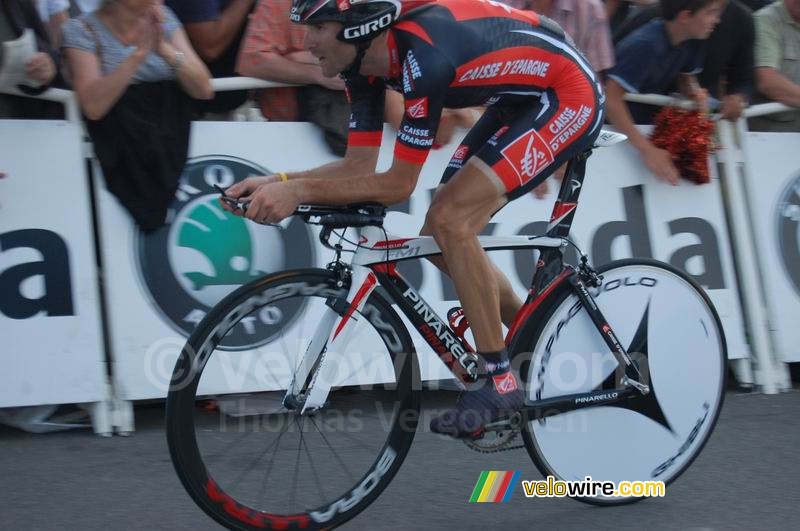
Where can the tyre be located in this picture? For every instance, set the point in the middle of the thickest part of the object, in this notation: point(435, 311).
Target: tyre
point(252, 460)
point(668, 325)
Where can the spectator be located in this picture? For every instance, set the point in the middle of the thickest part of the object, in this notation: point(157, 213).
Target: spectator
point(216, 29)
point(584, 20)
point(15, 17)
point(777, 60)
point(272, 49)
point(621, 13)
point(53, 14)
point(649, 60)
point(728, 68)
point(133, 70)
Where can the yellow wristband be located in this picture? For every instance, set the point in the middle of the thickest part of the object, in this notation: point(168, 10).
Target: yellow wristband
point(282, 176)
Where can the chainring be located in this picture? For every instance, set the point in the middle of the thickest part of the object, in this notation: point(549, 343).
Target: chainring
point(495, 441)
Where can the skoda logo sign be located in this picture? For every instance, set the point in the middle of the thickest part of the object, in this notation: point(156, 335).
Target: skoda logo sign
point(789, 230)
point(205, 253)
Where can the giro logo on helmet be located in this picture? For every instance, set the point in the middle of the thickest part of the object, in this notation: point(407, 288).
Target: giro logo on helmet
point(370, 27)
point(362, 19)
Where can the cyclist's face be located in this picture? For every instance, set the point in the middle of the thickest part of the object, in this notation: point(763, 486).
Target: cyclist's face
point(334, 55)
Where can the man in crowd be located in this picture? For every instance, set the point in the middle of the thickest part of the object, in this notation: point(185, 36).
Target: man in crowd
point(777, 61)
point(728, 68)
point(650, 60)
point(215, 29)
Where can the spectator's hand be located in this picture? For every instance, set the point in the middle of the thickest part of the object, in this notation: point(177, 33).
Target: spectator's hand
point(700, 97)
point(732, 106)
point(465, 118)
point(40, 68)
point(148, 37)
point(243, 191)
point(447, 126)
point(303, 56)
point(331, 83)
point(659, 162)
point(541, 191)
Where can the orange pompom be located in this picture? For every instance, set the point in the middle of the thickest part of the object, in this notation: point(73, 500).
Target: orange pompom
point(687, 137)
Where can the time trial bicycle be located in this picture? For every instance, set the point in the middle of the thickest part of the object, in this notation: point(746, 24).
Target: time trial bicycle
point(624, 368)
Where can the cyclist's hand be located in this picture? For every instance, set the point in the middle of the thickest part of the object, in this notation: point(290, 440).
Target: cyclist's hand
point(242, 191)
point(659, 162)
point(272, 202)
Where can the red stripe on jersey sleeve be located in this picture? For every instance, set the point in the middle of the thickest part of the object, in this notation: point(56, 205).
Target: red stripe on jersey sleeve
point(415, 29)
point(409, 154)
point(473, 10)
point(368, 138)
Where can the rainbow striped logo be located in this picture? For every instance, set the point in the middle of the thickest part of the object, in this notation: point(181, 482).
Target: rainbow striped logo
point(495, 486)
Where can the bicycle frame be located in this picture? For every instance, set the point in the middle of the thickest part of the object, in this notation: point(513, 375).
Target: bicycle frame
point(374, 263)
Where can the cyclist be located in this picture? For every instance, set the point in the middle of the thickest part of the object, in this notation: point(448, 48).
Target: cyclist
point(543, 106)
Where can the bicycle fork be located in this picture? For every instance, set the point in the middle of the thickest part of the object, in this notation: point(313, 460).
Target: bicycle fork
point(316, 372)
point(632, 377)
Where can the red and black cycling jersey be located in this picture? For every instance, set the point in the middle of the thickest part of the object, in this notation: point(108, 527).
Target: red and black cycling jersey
point(462, 53)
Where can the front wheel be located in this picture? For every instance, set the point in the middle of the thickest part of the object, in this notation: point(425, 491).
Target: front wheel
point(669, 326)
point(243, 447)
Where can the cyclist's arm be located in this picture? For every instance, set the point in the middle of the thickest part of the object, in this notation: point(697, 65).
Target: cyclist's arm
point(359, 160)
point(388, 188)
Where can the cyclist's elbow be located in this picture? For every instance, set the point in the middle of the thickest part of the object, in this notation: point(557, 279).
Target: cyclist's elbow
point(400, 189)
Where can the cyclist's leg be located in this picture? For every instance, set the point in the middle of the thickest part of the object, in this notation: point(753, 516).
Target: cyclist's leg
point(480, 133)
point(518, 159)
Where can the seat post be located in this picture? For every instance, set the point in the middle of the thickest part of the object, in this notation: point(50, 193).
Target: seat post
point(567, 202)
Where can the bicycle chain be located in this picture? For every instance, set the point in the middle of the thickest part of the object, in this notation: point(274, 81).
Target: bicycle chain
point(493, 448)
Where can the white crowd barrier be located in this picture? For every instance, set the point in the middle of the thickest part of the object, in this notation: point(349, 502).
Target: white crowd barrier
point(158, 287)
point(51, 346)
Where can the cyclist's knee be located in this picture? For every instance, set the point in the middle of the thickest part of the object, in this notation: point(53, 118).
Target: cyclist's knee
point(445, 222)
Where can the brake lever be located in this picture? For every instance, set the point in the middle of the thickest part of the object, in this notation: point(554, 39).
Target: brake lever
point(230, 201)
point(242, 205)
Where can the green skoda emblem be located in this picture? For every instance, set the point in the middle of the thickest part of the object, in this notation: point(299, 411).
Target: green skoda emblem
point(205, 253)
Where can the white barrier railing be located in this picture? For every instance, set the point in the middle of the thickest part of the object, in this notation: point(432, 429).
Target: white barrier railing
point(63, 96)
point(223, 84)
point(766, 108)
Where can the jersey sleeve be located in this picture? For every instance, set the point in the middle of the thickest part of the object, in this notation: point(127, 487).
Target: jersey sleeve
point(426, 76)
point(366, 96)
